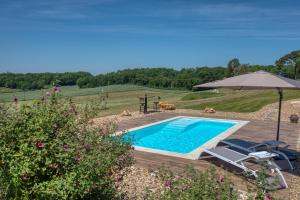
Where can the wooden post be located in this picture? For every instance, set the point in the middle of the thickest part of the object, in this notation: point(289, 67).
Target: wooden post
point(279, 112)
point(146, 104)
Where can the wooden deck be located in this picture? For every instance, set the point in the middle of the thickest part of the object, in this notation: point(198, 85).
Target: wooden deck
point(256, 131)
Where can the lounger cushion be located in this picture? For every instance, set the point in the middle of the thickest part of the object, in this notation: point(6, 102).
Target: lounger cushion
point(227, 153)
point(248, 144)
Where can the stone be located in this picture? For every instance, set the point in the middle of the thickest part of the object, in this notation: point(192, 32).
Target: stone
point(126, 113)
point(167, 106)
point(209, 110)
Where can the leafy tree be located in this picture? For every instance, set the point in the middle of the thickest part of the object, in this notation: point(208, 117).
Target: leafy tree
point(232, 66)
point(32, 81)
point(290, 60)
point(83, 82)
point(167, 78)
point(241, 69)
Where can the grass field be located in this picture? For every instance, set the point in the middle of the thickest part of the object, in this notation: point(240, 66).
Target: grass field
point(7, 90)
point(121, 97)
point(249, 102)
point(201, 95)
point(7, 95)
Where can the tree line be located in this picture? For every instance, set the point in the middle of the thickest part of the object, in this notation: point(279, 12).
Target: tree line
point(156, 77)
point(288, 66)
point(33, 81)
point(169, 78)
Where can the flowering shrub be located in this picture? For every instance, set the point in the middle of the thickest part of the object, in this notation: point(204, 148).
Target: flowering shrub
point(50, 150)
point(260, 189)
point(209, 184)
point(198, 185)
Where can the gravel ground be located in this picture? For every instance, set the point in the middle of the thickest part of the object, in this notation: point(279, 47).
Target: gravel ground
point(138, 182)
point(117, 118)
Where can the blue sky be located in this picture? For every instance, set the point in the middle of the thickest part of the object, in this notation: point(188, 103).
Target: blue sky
point(105, 35)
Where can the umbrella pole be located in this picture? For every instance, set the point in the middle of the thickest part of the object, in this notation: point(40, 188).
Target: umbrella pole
point(279, 112)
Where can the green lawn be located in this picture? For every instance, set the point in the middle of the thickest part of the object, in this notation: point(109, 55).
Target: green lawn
point(121, 97)
point(7, 90)
point(68, 91)
point(248, 103)
point(129, 100)
point(201, 95)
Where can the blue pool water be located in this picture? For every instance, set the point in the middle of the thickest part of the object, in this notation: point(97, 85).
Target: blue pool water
point(181, 135)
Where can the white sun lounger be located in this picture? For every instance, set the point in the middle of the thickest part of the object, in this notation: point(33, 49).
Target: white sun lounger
point(238, 159)
point(270, 146)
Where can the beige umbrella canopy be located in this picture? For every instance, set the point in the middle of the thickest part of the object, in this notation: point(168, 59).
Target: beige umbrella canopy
point(256, 80)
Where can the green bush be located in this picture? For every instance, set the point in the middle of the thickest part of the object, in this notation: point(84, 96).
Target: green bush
point(261, 188)
point(209, 185)
point(196, 185)
point(51, 150)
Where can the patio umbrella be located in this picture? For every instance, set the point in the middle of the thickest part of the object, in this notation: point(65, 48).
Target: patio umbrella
point(257, 80)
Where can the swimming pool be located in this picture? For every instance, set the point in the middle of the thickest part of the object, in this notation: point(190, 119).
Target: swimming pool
point(181, 136)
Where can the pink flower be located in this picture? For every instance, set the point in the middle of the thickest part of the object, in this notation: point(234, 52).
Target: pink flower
point(39, 145)
point(268, 196)
point(56, 90)
point(48, 94)
point(78, 158)
point(66, 147)
point(118, 178)
point(168, 184)
point(221, 179)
